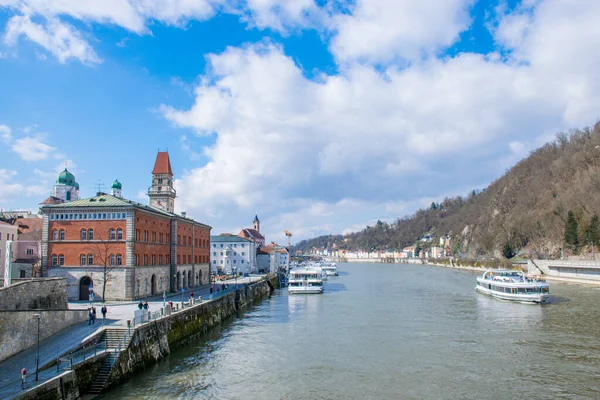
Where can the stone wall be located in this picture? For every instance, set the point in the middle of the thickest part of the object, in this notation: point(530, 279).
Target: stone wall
point(62, 387)
point(18, 329)
point(36, 294)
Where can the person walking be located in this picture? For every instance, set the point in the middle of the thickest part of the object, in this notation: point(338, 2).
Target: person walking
point(103, 310)
point(93, 315)
point(140, 305)
point(23, 378)
point(90, 316)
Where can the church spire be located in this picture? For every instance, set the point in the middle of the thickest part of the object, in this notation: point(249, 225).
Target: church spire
point(162, 193)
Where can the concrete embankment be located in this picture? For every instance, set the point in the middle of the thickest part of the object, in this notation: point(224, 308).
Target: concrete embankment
point(153, 341)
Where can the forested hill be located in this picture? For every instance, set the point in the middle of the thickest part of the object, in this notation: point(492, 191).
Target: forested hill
point(544, 203)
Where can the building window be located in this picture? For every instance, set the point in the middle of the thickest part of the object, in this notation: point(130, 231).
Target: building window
point(111, 234)
point(221, 245)
point(153, 237)
point(190, 240)
point(221, 261)
point(29, 252)
point(54, 260)
point(90, 235)
point(242, 261)
point(214, 253)
point(112, 259)
point(137, 234)
point(153, 259)
point(145, 259)
point(83, 234)
point(145, 236)
point(243, 253)
point(137, 259)
point(119, 259)
point(235, 245)
point(235, 261)
point(61, 234)
point(160, 259)
point(214, 261)
point(214, 245)
point(221, 253)
point(54, 234)
point(242, 244)
point(119, 234)
point(61, 259)
point(168, 258)
point(90, 259)
point(160, 238)
point(82, 259)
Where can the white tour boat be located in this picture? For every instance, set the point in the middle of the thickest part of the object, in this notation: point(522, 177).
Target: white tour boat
point(513, 285)
point(306, 280)
point(330, 269)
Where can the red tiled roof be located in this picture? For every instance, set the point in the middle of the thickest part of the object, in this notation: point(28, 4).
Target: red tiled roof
point(251, 233)
point(162, 164)
point(52, 200)
point(29, 224)
point(5, 223)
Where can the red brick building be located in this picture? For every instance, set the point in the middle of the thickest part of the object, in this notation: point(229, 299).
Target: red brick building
point(148, 249)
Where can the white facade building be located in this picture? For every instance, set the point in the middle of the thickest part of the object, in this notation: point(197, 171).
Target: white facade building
point(272, 258)
point(8, 232)
point(229, 253)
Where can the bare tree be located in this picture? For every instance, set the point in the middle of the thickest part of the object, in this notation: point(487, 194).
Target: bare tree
point(103, 252)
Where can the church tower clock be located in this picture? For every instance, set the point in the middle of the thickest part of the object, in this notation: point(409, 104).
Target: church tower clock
point(162, 193)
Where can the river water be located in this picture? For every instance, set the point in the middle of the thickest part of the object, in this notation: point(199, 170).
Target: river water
point(384, 331)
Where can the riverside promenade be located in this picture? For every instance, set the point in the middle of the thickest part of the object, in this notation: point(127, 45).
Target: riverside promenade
point(70, 339)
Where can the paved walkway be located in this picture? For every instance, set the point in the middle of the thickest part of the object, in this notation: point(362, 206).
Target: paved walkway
point(69, 339)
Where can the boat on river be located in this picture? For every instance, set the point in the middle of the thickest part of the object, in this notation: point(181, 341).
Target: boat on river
point(513, 285)
point(329, 269)
point(306, 280)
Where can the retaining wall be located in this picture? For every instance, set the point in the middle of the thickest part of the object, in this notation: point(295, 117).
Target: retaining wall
point(35, 294)
point(18, 329)
point(585, 270)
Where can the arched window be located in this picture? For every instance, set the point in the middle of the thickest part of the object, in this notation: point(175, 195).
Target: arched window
point(61, 234)
point(119, 259)
point(82, 258)
point(119, 234)
point(54, 260)
point(90, 234)
point(90, 259)
point(111, 234)
point(68, 196)
point(61, 259)
point(112, 259)
point(55, 234)
point(83, 235)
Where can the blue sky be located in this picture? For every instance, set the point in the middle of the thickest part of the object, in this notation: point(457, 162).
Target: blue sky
point(321, 117)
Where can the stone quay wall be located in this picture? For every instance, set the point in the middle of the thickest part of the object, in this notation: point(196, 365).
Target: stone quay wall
point(35, 294)
point(153, 341)
point(18, 328)
point(582, 270)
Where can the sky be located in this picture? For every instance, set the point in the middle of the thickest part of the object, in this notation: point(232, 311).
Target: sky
point(319, 116)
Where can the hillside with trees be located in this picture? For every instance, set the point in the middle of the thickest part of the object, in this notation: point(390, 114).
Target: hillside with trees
point(545, 204)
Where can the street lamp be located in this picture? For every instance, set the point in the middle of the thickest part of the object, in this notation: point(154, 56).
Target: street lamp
point(37, 353)
point(235, 274)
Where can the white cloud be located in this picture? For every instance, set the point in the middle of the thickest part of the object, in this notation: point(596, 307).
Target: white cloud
point(300, 148)
point(58, 38)
point(382, 30)
point(31, 148)
point(5, 133)
point(12, 190)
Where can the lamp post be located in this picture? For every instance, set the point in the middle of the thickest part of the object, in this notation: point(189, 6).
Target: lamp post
point(37, 352)
point(235, 275)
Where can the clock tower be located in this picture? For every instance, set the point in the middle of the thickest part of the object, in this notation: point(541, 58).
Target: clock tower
point(161, 193)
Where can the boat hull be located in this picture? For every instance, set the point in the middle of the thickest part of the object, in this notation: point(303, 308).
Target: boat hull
point(305, 290)
point(522, 298)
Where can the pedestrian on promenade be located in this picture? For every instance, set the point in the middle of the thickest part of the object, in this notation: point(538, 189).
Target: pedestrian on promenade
point(93, 315)
point(140, 305)
point(103, 310)
point(191, 295)
point(212, 289)
point(23, 378)
point(146, 306)
point(90, 316)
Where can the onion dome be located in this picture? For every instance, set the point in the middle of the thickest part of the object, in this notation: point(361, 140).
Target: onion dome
point(116, 185)
point(66, 178)
point(76, 185)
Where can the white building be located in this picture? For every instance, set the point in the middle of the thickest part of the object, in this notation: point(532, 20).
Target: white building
point(8, 232)
point(272, 258)
point(229, 253)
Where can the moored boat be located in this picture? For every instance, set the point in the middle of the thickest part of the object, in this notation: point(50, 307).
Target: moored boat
point(330, 269)
point(513, 285)
point(307, 280)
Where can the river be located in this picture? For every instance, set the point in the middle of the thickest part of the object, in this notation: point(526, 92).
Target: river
point(391, 331)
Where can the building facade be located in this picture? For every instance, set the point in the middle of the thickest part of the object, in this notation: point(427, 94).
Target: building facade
point(8, 233)
point(253, 233)
point(231, 253)
point(272, 258)
point(134, 249)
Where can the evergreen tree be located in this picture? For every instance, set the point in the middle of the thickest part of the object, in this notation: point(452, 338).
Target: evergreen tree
point(591, 233)
point(571, 238)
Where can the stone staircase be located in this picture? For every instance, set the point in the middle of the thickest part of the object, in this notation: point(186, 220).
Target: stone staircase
point(116, 340)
